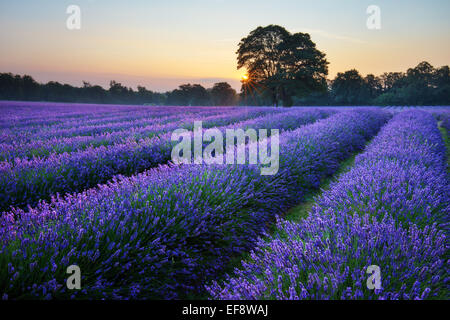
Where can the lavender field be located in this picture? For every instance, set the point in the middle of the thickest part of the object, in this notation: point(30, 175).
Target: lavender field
point(94, 186)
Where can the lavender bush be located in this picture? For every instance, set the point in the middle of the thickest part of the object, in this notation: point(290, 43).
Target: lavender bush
point(391, 210)
point(166, 232)
point(72, 136)
point(24, 182)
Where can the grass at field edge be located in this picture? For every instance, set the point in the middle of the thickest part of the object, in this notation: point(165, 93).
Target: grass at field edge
point(444, 134)
point(302, 210)
point(298, 212)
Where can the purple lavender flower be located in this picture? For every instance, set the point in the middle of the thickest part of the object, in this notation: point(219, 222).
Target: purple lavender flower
point(390, 209)
point(174, 228)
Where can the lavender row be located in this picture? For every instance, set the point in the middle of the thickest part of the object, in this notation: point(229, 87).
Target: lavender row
point(30, 145)
point(21, 129)
point(24, 135)
point(24, 182)
point(166, 232)
point(47, 143)
point(26, 113)
point(211, 116)
point(58, 121)
point(33, 110)
point(446, 123)
point(31, 114)
point(390, 210)
point(49, 118)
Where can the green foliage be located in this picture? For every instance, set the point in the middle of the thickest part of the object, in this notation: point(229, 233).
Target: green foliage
point(25, 88)
point(222, 94)
point(422, 85)
point(283, 68)
point(189, 95)
point(281, 65)
point(350, 88)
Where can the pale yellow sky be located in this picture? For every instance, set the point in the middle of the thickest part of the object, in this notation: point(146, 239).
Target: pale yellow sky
point(161, 45)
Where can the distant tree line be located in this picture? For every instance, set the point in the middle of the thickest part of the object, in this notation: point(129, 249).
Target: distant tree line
point(16, 87)
point(288, 69)
point(422, 85)
point(282, 69)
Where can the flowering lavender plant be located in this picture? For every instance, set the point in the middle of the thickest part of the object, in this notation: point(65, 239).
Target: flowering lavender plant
point(25, 181)
point(166, 232)
point(390, 209)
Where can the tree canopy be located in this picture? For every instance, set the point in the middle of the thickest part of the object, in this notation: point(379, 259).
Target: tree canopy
point(16, 87)
point(222, 94)
point(281, 64)
point(281, 67)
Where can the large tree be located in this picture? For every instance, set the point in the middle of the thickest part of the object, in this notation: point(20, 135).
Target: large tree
point(222, 94)
point(189, 95)
point(282, 63)
point(421, 85)
point(348, 88)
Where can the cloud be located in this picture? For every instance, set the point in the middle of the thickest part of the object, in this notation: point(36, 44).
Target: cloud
point(318, 32)
point(227, 40)
point(329, 35)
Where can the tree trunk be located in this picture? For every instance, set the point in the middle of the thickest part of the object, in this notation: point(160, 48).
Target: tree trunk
point(274, 98)
point(286, 98)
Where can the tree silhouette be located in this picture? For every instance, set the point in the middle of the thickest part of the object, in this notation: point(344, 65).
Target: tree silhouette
point(189, 95)
point(348, 88)
point(421, 85)
point(282, 63)
point(222, 94)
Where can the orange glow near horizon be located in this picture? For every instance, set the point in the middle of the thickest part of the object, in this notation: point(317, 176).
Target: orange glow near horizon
point(161, 45)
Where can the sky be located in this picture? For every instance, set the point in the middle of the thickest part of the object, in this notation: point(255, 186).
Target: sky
point(162, 44)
